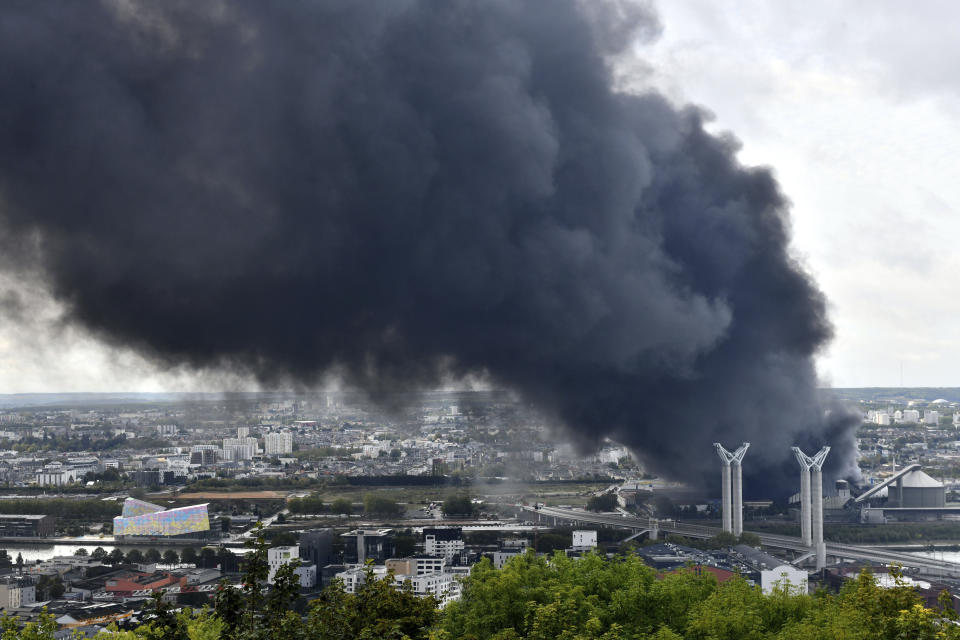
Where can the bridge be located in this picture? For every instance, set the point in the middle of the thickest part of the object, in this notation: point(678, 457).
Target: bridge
point(920, 564)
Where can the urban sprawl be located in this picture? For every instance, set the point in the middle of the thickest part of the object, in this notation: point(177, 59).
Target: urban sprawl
point(107, 502)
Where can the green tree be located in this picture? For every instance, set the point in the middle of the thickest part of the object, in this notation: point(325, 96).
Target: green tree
point(115, 557)
point(134, 556)
point(458, 505)
point(605, 502)
point(377, 609)
point(341, 506)
point(207, 559)
point(381, 506)
point(42, 629)
point(80, 552)
point(170, 557)
point(152, 556)
point(722, 540)
point(99, 554)
point(189, 556)
point(750, 539)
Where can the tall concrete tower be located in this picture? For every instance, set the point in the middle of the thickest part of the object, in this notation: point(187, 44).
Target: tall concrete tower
point(732, 487)
point(726, 508)
point(736, 468)
point(805, 516)
point(811, 501)
point(816, 497)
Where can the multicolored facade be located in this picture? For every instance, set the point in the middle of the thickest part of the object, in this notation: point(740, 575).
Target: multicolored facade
point(145, 519)
point(133, 507)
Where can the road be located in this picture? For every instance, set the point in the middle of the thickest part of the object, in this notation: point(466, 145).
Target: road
point(852, 552)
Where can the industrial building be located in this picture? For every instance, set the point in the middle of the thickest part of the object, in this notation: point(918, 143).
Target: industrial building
point(28, 525)
point(908, 495)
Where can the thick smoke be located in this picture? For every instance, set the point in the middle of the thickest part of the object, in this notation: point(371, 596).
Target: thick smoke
point(399, 190)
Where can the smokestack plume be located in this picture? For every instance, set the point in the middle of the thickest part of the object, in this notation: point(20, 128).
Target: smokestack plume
point(400, 191)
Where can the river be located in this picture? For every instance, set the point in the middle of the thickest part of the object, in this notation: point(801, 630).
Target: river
point(40, 551)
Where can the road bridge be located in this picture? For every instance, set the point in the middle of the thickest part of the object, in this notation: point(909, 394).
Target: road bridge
point(922, 564)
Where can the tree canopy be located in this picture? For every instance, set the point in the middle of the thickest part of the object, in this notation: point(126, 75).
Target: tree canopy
point(605, 502)
point(539, 598)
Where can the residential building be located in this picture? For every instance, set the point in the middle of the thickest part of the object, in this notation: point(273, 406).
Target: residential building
point(17, 591)
point(279, 556)
point(445, 542)
point(361, 545)
point(415, 565)
point(278, 443)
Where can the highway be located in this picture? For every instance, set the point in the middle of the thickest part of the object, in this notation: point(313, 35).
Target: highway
point(926, 566)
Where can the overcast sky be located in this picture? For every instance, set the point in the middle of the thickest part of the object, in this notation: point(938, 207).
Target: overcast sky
point(855, 108)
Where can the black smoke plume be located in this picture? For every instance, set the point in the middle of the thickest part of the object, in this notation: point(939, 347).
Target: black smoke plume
point(400, 190)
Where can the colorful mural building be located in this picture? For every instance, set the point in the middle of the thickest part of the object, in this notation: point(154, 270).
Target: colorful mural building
point(147, 520)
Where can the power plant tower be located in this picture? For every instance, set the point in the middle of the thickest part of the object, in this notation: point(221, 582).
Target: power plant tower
point(732, 487)
point(811, 501)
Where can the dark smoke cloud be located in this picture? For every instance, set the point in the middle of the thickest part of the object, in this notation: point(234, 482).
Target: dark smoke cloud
point(401, 190)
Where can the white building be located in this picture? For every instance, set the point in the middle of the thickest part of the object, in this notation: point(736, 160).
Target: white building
point(16, 592)
point(911, 415)
point(278, 443)
point(584, 540)
point(57, 474)
point(882, 418)
point(931, 417)
point(279, 556)
point(445, 543)
point(243, 432)
point(415, 566)
point(236, 449)
point(445, 586)
point(788, 576)
point(166, 430)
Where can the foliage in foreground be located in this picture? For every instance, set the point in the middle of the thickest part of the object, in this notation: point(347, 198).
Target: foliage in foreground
point(589, 598)
point(537, 598)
